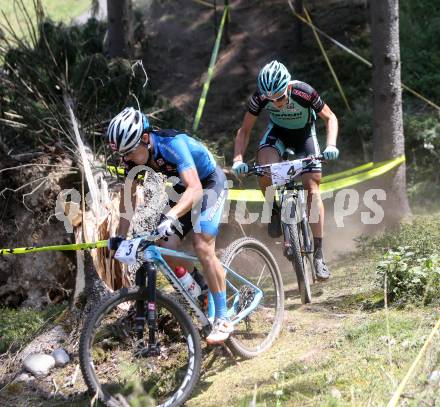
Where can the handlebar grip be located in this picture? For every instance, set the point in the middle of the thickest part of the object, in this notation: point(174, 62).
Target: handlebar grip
point(114, 242)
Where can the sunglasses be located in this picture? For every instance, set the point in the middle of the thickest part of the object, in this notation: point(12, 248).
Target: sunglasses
point(278, 99)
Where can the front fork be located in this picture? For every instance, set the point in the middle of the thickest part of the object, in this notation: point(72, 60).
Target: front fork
point(297, 207)
point(147, 272)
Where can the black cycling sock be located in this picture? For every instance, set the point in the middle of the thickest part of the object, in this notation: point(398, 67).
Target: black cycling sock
point(317, 243)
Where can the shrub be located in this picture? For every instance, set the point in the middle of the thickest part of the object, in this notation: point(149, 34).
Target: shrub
point(411, 263)
point(410, 278)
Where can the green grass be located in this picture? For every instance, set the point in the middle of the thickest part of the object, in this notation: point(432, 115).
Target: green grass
point(18, 326)
point(57, 10)
point(356, 370)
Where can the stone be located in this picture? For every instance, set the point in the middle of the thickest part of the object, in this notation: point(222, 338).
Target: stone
point(434, 377)
point(336, 394)
point(39, 364)
point(24, 377)
point(61, 357)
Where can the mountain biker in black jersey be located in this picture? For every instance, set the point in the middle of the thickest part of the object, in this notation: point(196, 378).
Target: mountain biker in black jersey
point(293, 106)
point(203, 188)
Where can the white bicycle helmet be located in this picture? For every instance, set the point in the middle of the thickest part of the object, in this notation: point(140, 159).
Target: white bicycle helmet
point(273, 79)
point(125, 130)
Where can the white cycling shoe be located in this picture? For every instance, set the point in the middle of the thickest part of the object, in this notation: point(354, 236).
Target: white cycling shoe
point(221, 330)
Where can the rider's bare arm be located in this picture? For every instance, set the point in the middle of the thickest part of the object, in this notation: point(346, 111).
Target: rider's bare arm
point(243, 135)
point(331, 124)
point(193, 192)
point(126, 213)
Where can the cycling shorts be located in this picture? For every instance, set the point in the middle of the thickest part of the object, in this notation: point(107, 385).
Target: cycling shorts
point(303, 142)
point(206, 215)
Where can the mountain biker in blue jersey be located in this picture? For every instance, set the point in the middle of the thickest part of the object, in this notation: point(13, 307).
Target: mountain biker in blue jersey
point(203, 188)
point(293, 107)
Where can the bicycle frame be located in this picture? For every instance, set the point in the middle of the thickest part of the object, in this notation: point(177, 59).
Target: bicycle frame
point(291, 194)
point(146, 276)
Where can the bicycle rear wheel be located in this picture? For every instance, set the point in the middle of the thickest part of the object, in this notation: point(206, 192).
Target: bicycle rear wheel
point(253, 261)
point(298, 261)
point(110, 356)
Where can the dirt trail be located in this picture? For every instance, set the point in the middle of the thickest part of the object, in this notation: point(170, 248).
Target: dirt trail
point(308, 335)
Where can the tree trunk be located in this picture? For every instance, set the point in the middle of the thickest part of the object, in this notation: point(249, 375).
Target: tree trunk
point(389, 140)
point(120, 30)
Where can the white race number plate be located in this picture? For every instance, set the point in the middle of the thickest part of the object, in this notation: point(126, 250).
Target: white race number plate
point(126, 252)
point(280, 171)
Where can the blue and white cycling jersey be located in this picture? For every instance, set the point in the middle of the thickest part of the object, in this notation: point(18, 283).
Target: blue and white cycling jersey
point(175, 152)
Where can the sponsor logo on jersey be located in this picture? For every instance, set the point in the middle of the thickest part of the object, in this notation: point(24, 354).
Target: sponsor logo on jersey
point(304, 95)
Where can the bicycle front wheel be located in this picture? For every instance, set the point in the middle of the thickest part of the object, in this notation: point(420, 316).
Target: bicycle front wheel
point(116, 368)
point(253, 261)
point(302, 273)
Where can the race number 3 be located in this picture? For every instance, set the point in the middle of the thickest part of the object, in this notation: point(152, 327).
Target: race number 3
point(126, 252)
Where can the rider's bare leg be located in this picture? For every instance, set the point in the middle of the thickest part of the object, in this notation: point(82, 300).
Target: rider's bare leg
point(315, 207)
point(267, 155)
point(204, 246)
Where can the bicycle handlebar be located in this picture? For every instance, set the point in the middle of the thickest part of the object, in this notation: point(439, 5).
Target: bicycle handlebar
point(260, 169)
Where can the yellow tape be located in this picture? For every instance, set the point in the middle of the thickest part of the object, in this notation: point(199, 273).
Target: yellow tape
point(329, 183)
point(395, 399)
point(212, 62)
point(327, 60)
point(79, 246)
point(357, 56)
point(346, 173)
point(363, 176)
point(204, 3)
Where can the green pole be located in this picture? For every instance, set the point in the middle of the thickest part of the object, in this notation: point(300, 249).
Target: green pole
point(214, 54)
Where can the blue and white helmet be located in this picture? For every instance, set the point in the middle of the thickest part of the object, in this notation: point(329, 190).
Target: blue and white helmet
point(273, 79)
point(125, 130)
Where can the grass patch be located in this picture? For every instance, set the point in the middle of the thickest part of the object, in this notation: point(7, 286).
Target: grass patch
point(356, 370)
point(60, 11)
point(18, 326)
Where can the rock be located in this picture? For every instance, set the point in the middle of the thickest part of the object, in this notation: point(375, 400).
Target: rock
point(61, 357)
point(45, 342)
point(336, 393)
point(39, 364)
point(24, 377)
point(434, 377)
point(406, 344)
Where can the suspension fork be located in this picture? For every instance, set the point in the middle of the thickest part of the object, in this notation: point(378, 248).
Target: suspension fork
point(147, 272)
point(290, 198)
point(304, 222)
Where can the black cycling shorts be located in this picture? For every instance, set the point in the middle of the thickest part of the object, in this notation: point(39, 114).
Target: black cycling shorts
point(303, 142)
